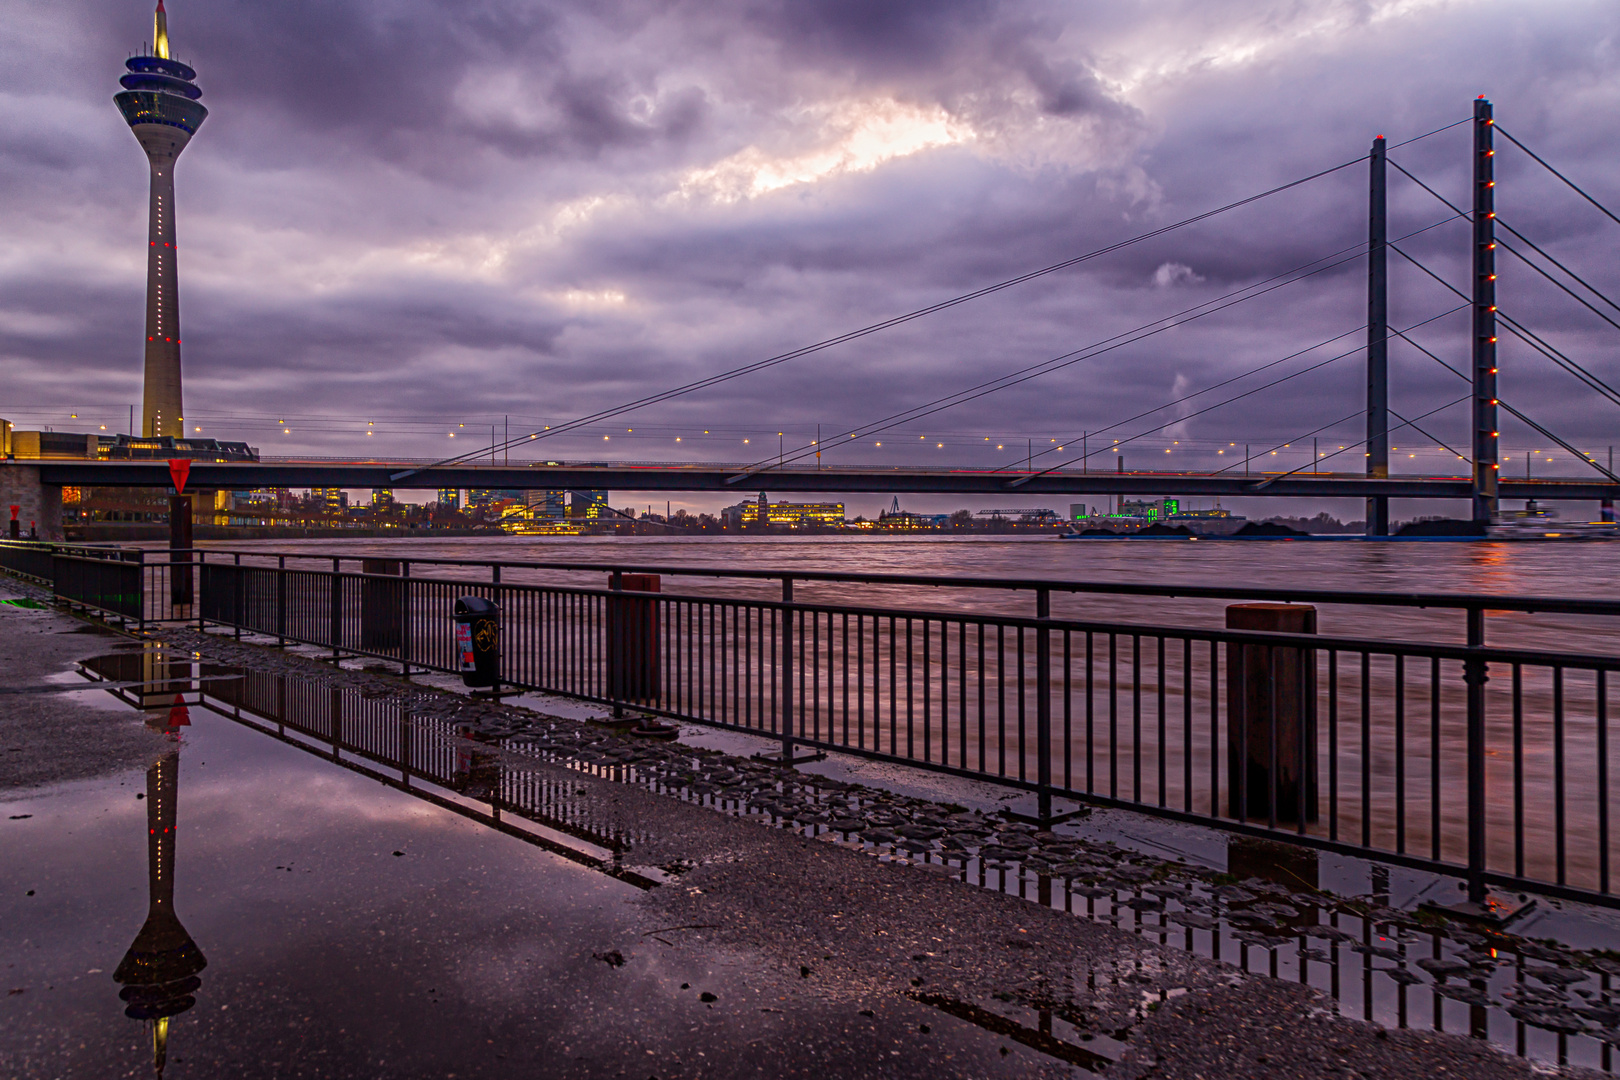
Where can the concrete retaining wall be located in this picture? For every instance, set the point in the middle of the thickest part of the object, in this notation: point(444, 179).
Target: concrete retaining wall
point(41, 504)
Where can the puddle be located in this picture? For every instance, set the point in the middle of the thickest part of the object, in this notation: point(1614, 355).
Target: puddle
point(1271, 911)
point(306, 880)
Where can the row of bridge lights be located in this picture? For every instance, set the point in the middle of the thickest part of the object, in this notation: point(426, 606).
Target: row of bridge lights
point(371, 431)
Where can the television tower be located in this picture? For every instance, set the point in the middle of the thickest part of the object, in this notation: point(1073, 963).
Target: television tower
point(159, 101)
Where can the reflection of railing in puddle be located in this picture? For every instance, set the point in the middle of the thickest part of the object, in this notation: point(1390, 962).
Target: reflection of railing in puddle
point(1362, 953)
point(431, 759)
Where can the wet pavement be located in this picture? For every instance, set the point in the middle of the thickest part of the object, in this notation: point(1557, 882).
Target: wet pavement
point(321, 872)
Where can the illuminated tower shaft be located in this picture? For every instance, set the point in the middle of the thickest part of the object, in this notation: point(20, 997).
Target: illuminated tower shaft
point(160, 104)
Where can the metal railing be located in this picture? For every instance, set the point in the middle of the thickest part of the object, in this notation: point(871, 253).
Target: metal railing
point(1458, 757)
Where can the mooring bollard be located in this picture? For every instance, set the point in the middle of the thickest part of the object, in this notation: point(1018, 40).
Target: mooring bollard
point(1271, 716)
point(380, 605)
point(633, 639)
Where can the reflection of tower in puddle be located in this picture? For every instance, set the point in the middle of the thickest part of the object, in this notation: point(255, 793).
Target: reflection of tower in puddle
point(159, 972)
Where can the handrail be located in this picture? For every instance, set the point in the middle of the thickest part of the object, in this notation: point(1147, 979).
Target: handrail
point(1288, 594)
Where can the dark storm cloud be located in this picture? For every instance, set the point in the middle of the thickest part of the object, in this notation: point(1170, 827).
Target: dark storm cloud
point(474, 209)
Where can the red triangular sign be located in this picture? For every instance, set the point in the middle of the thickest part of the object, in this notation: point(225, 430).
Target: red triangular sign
point(179, 468)
point(179, 715)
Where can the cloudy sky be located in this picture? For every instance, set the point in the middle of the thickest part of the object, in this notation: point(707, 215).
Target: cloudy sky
point(415, 216)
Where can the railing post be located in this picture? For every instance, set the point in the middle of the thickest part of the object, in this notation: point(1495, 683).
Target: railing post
point(615, 645)
point(336, 631)
point(1043, 707)
point(785, 720)
point(1475, 674)
point(239, 604)
point(202, 560)
point(281, 601)
point(405, 618)
point(140, 558)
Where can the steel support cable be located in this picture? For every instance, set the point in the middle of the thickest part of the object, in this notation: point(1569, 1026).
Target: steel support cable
point(1251, 371)
point(1595, 291)
point(1362, 442)
point(1573, 186)
point(1529, 337)
point(886, 324)
point(1266, 386)
point(1427, 435)
point(1091, 351)
point(1579, 300)
point(1021, 481)
point(1578, 453)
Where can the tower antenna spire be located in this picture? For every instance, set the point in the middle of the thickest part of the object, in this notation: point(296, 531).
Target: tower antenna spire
point(160, 32)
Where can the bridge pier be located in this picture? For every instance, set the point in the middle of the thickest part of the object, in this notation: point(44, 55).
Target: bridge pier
point(40, 504)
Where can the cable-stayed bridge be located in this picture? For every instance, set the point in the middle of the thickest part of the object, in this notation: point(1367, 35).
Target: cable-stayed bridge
point(1358, 468)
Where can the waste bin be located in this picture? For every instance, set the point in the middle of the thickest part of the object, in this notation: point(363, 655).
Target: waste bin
point(478, 640)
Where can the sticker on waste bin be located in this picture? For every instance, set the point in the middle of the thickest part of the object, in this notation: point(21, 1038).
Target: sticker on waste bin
point(464, 645)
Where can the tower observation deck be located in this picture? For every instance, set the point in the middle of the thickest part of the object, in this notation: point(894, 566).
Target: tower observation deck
point(160, 103)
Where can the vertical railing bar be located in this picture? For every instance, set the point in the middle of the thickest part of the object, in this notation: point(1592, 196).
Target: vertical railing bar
point(1273, 785)
point(1136, 717)
point(1091, 715)
point(1068, 712)
point(845, 674)
point(1434, 758)
point(1023, 679)
point(1558, 769)
point(1518, 770)
point(911, 714)
point(1305, 786)
point(1602, 719)
point(1238, 688)
point(1161, 680)
point(1400, 753)
point(928, 696)
point(1215, 729)
point(1113, 716)
point(982, 759)
point(1001, 698)
point(894, 688)
point(1333, 744)
point(961, 693)
point(860, 685)
point(1366, 749)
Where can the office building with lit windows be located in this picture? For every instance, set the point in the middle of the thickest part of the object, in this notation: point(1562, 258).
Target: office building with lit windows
point(160, 103)
point(754, 514)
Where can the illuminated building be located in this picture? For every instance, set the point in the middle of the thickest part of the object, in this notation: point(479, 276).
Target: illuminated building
point(329, 500)
point(160, 103)
point(382, 500)
point(450, 498)
point(755, 513)
point(548, 505)
point(590, 504)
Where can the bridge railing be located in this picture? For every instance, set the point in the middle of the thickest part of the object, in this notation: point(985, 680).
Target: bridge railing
point(1491, 763)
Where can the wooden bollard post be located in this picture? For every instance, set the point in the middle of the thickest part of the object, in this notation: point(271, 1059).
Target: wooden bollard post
point(1271, 716)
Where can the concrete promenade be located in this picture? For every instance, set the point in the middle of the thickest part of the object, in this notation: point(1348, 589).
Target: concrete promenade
point(839, 964)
